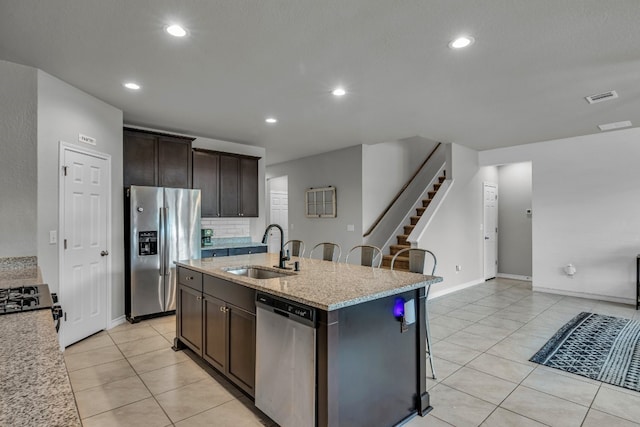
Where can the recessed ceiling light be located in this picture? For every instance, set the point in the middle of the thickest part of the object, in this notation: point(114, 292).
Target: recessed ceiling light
point(132, 86)
point(271, 120)
point(461, 42)
point(339, 91)
point(176, 30)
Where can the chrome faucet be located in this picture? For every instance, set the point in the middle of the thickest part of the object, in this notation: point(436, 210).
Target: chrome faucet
point(282, 258)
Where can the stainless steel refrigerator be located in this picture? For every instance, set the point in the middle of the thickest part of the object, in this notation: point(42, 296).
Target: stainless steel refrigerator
point(163, 226)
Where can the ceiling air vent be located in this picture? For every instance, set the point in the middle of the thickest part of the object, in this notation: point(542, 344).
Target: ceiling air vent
point(604, 96)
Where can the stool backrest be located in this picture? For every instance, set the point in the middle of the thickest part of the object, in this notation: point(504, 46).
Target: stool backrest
point(328, 251)
point(370, 256)
point(417, 259)
point(295, 247)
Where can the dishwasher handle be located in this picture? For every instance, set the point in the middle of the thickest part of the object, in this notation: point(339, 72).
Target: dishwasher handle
point(280, 312)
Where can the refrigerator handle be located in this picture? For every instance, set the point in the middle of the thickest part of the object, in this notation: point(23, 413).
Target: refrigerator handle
point(161, 241)
point(167, 267)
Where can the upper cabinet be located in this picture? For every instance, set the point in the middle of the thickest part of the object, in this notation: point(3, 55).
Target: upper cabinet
point(156, 159)
point(229, 183)
point(206, 172)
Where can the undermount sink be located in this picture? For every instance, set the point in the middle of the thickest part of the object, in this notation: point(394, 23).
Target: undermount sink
point(257, 272)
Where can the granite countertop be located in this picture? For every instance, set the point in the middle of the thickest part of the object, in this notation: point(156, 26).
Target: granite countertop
point(34, 385)
point(321, 284)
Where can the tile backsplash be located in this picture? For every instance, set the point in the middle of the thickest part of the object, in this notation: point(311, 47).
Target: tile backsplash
point(227, 227)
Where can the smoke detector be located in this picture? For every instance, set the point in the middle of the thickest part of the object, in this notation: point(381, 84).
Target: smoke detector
point(600, 97)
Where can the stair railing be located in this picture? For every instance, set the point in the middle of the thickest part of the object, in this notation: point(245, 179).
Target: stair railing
point(404, 187)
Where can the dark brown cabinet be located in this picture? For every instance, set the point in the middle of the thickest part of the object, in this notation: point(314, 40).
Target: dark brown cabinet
point(206, 172)
point(248, 196)
point(241, 362)
point(156, 159)
point(229, 183)
point(215, 332)
point(218, 322)
point(189, 323)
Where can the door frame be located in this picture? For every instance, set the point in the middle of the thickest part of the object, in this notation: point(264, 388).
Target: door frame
point(65, 146)
point(484, 231)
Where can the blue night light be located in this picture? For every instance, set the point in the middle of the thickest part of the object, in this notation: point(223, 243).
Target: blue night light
point(398, 308)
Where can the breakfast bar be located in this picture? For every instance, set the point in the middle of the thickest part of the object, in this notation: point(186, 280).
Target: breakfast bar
point(369, 340)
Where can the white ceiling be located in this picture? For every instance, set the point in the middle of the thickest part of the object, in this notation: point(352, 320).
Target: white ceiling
point(524, 80)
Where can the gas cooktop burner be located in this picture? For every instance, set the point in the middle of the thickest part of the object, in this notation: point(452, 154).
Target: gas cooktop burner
point(25, 298)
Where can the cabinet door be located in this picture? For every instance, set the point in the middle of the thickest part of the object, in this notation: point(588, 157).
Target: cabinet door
point(140, 159)
point(241, 364)
point(205, 178)
point(174, 162)
point(229, 185)
point(190, 321)
point(249, 187)
point(215, 332)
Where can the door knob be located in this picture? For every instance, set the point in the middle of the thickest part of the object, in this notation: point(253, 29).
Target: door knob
point(104, 253)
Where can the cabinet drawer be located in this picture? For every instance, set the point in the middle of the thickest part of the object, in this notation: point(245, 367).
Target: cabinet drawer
point(232, 293)
point(190, 278)
point(247, 250)
point(208, 253)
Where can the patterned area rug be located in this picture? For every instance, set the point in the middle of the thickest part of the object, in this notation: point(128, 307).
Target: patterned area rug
point(602, 348)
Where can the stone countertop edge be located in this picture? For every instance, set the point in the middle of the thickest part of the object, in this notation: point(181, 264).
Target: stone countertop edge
point(320, 284)
point(36, 390)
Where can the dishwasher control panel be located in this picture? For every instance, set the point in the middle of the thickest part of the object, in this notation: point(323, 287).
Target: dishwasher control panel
point(298, 312)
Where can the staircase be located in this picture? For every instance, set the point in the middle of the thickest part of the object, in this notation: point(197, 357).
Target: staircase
point(402, 262)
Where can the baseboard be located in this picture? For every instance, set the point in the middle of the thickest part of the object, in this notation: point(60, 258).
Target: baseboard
point(117, 321)
point(443, 292)
point(514, 276)
point(629, 301)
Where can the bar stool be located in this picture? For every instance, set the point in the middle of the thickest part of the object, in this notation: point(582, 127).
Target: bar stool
point(368, 255)
point(295, 247)
point(417, 259)
point(328, 251)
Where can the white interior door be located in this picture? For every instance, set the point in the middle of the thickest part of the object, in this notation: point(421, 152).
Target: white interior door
point(279, 211)
point(490, 227)
point(85, 187)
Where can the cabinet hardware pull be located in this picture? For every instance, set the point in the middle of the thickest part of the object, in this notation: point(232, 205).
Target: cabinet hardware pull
point(189, 278)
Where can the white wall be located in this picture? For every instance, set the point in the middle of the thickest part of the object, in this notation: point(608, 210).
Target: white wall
point(18, 157)
point(514, 224)
point(63, 113)
point(586, 211)
point(386, 167)
point(341, 169)
point(455, 234)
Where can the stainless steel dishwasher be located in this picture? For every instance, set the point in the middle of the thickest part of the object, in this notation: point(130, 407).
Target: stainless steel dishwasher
point(285, 360)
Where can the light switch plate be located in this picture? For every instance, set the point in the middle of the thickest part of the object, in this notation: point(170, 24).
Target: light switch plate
point(53, 237)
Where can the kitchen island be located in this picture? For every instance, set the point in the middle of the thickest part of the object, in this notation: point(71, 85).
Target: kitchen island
point(370, 366)
point(34, 386)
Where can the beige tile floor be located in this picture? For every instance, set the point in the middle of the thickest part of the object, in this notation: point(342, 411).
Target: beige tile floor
point(482, 339)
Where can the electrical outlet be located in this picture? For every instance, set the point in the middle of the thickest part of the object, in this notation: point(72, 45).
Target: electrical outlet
point(458, 268)
point(351, 227)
